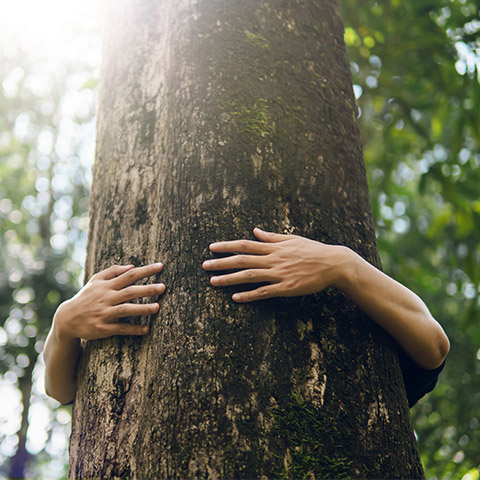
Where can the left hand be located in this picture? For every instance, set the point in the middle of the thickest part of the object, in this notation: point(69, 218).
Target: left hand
point(292, 265)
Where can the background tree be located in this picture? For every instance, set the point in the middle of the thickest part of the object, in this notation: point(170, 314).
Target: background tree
point(213, 118)
point(43, 195)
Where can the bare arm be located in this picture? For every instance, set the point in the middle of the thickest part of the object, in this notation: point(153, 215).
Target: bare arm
point(294, 265)
point(61, 358)
point(94, 313)
point(396, 309)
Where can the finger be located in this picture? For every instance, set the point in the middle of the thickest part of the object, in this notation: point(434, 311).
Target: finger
point(136, 291)
point(112, 272)
point(241, 246)
point(131, 276)
point(236, 261)
point(245, 276)
point(261, 293)
point(270, 236)
point(109, 330)
point(133, 309)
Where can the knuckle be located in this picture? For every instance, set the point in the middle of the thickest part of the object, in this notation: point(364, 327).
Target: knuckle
point(131, 274)
point(107, 299)
point(263, 292)
point(250, 274)
point(128, 291)
point(146, 291)
point(150, 270)
point(128, 276)
point(111, 270)
point(144, 309)
point(122, 328)
point(290, 284)
point(241, 260)
point(270, 258)
point(243, 244)
point(276, 275)
point(102, 329)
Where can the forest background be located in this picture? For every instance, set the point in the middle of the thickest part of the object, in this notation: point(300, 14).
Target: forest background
point(416, 75)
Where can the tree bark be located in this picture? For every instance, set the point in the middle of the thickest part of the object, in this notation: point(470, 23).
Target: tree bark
point(215, 117)
point(19, 461)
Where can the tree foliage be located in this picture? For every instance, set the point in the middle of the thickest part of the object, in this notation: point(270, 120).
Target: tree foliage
point(43, 200)
point(415, 66)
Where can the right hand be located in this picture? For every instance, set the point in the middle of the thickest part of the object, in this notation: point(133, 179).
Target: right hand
point(95, 310)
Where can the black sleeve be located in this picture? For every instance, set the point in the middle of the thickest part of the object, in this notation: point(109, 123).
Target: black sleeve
point(418, 381)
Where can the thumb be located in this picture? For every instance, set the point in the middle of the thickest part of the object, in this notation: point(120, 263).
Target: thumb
point(270, 236)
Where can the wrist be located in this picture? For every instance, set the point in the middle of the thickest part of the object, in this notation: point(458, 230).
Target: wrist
point(60, 324)
point(347, 263)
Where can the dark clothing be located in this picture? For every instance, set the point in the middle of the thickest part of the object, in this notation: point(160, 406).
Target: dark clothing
point(418, 381)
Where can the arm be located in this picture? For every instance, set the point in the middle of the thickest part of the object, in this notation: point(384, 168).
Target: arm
point(396, 309)
point(294, 265)
point(61, 359)
point(91, 314)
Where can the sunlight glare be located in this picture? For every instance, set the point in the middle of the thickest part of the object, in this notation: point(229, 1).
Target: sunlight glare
point(48, 27)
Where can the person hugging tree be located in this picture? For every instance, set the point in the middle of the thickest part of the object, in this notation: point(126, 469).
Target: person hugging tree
point(288, 265)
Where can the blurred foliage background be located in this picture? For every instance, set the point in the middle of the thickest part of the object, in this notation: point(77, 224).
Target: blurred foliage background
point(415, 66)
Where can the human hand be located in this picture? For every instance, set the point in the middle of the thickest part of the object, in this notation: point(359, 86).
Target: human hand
point(292, 265)
point(94, 311)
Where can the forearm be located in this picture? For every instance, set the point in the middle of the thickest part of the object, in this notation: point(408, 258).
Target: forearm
point(61, 357)
point(396, 309)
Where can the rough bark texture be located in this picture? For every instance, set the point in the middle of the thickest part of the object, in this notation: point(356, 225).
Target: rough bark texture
point(215, 117)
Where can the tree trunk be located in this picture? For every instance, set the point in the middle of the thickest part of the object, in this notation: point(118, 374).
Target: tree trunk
point(216, 117)
point(18, 463)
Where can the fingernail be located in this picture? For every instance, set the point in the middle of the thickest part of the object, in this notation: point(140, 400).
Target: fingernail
point(158, 264)
point(207, 263)
point(161, 286)
point(236, 297)
point(214, 280)
point(214, 245)
point(145, 329)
